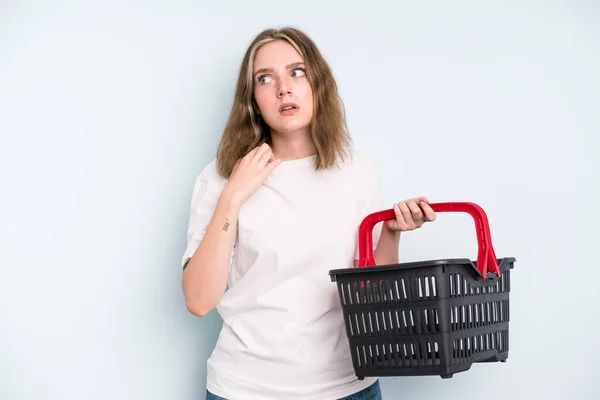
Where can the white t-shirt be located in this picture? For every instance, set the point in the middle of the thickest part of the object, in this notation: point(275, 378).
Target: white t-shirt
point(283, 334)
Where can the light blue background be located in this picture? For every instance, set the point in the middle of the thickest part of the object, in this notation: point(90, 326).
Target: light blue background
point(108, 111)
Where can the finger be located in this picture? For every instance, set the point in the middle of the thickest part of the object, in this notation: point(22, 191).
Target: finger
point(392, 223)
point(407, 215)
point(400, 223)
point(271, 166)
point(261, 150)
point(429, 214)
point(252, 152)
point(416, 213)
point(264, 157)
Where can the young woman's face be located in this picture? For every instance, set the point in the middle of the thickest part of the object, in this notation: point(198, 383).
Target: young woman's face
point(281, 88)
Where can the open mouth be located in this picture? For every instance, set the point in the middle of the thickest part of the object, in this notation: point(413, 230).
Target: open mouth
point(288, 108)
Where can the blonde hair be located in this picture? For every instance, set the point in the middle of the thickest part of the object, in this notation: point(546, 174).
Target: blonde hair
point(246, 129)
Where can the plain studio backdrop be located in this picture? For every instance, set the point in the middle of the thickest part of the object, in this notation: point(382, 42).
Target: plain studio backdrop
point(109, 110)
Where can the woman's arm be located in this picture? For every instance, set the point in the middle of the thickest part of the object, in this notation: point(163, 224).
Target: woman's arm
point(387, 248)
point(205, 274)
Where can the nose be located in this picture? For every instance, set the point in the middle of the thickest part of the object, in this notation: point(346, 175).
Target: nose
point(284, 89)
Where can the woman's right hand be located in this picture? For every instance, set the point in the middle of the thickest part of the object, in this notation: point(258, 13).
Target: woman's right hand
point(249, 174)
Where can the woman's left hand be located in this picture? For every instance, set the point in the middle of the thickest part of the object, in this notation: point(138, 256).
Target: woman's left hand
point(411, 214)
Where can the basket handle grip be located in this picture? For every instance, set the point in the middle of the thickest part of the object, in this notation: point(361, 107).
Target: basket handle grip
point(486, 257)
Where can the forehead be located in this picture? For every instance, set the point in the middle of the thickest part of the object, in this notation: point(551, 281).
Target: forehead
point(275, 54)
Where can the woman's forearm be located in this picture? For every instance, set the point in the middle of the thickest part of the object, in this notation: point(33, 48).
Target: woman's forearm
point(205, 275)
point(387, 248)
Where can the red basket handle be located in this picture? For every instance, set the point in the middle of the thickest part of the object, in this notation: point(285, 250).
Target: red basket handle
point(486, 257)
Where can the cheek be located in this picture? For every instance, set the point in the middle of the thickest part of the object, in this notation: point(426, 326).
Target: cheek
point(307, 90)
point(262, 100)
point(309, 99)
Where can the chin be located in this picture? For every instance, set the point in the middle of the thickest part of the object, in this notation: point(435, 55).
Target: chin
point(292, 129)
point(288, 124)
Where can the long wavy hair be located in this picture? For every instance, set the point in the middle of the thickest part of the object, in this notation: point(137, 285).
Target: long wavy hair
point(246, 129)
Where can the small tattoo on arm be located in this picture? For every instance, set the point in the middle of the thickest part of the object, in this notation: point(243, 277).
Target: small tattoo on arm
point(226, 226)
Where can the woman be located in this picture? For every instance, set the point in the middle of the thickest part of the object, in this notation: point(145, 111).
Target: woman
point(275, 211)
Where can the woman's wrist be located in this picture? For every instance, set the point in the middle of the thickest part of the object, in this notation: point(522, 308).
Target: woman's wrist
point(230, 203)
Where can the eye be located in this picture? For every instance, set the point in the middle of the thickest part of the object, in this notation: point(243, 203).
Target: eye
point(264, 79)
point(298, 72)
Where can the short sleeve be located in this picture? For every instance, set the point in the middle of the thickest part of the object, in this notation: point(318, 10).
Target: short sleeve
point(374, 201)
point(205, 195)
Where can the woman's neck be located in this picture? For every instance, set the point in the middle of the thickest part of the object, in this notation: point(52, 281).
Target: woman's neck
point(292, 146)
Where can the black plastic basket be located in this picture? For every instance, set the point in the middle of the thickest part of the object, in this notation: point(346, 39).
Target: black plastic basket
point(426, 318)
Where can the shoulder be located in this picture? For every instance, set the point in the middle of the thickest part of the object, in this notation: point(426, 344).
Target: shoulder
point(209, 172)
point(209, 178)
point(362, 164)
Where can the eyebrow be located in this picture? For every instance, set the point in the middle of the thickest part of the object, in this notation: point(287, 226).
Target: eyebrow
point(289, 66)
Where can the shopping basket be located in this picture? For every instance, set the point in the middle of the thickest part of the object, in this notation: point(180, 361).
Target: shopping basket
point(430, 317)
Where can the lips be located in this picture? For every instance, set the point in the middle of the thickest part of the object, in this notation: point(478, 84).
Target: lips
point(288, 107)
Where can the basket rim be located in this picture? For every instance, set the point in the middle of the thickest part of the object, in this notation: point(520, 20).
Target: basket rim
point(414, 264)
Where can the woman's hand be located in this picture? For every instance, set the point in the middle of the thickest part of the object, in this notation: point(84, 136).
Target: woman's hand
point(411, 214)
point(249, 174)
